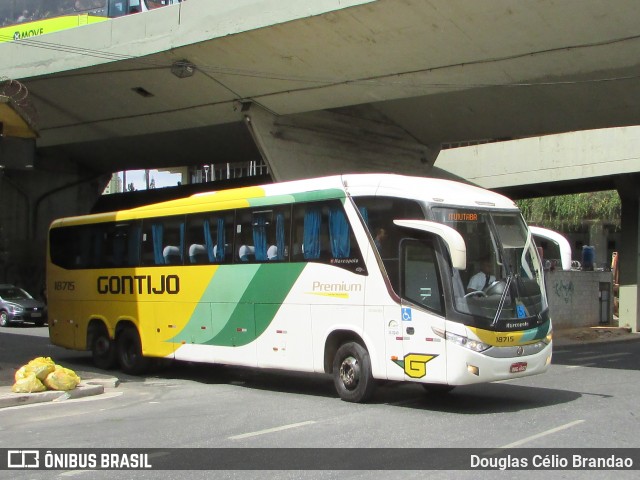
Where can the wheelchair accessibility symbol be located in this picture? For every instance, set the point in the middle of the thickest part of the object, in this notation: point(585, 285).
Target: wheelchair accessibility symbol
point(406, 314)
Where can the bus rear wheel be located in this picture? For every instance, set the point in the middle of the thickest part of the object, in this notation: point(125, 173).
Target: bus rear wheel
point(352, 373)
point(103, 349)
point(129, 352)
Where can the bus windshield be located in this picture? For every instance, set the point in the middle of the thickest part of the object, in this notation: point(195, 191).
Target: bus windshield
point(503, 279)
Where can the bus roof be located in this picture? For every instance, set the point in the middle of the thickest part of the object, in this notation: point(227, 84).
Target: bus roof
point(432, 190)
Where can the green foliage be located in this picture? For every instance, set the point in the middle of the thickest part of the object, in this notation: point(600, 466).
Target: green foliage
point(570, 212)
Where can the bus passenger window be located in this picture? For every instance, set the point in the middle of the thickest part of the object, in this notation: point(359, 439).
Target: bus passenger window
point(322, 233)
point(163, 241)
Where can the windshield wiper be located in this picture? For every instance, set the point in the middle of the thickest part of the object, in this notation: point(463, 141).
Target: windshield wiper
point(503, 298)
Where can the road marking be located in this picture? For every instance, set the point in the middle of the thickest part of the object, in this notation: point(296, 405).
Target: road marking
point(542, 434)
point(597, 357)
point(271, 430)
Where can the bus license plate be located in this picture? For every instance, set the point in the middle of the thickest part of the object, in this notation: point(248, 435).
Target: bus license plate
point(518, 367)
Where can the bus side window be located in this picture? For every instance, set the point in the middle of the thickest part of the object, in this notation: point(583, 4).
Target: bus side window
point(323, 233)
point(163, 241)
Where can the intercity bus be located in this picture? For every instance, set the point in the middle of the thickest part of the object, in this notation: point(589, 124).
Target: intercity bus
point(366, 277)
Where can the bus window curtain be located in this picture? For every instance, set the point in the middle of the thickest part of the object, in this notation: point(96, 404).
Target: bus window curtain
point(133, 240)
point(220, 250)
point(260, 238)
point(365, 215)
point(182, 242)
point(97, 259)
point(339, 233)
point(280, 235)
point(156, 233)
point(119, 247)
point(311, 234)
point(208, 241)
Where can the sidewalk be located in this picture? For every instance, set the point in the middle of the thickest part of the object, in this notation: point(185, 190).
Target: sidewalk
point(91, 384)
point(586, 335)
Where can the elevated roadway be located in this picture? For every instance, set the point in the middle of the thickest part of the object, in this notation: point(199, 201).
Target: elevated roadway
point(432, 71)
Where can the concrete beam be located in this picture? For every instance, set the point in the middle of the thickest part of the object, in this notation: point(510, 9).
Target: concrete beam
point(542, 160)
point(324, 143)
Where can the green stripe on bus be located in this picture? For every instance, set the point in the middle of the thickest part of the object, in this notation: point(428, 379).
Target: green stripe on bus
point(311, 196)
point(258, 306)
point(241, 301)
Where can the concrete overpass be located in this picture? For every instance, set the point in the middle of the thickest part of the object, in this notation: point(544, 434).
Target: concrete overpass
point(311, 87)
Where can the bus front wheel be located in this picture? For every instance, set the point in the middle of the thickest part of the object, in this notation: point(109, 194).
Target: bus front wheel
point(352, 373)
point(129, 352)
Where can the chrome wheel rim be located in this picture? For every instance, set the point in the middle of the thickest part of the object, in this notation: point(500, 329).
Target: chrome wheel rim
point(350, 372)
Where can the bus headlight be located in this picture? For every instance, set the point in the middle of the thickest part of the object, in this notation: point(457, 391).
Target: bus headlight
point(548, 338)
point(474, 345)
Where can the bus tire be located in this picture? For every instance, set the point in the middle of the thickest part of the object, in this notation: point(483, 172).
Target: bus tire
point(352, 373)
point(103, 349)
point(129, 352)
point(437, 388)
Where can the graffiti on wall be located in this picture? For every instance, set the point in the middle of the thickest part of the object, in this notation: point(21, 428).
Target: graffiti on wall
point(564, 290)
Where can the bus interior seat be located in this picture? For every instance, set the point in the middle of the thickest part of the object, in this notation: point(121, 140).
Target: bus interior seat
point(171, 255)
point(197, 253)
point(246, 253)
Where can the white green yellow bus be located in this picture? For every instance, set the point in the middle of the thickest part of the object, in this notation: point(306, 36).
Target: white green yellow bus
point(366, 277)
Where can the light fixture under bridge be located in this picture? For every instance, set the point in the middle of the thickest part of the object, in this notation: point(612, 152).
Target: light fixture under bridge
point(183, 69)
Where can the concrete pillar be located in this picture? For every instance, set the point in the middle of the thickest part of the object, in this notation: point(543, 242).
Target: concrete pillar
point(629, 260)
point(31, 199)
point(598, 240)
point(332, 142)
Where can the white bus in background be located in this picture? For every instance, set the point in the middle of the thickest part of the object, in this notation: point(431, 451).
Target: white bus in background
point(556, 247)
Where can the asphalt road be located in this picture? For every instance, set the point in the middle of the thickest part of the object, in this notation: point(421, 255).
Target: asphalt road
point(589, 398)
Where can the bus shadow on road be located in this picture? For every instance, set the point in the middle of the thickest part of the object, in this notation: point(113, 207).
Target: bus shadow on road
point(488, 398)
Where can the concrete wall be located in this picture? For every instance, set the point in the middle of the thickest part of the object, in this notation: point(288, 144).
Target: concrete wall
point(575, 298)
point(29, 201)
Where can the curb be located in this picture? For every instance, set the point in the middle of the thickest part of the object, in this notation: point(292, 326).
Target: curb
point(86, 388)
point(590, 335)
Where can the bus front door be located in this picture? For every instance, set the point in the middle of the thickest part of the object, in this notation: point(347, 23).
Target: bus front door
point(422, 312)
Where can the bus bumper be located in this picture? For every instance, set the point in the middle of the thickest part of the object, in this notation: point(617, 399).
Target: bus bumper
point(466, 367)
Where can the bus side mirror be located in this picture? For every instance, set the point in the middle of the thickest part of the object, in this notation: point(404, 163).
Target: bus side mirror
point(454, 241)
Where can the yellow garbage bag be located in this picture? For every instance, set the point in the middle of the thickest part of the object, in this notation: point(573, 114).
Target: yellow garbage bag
point(62, 379)
point(20, 373)
point(41, 367)
point(28, 384)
